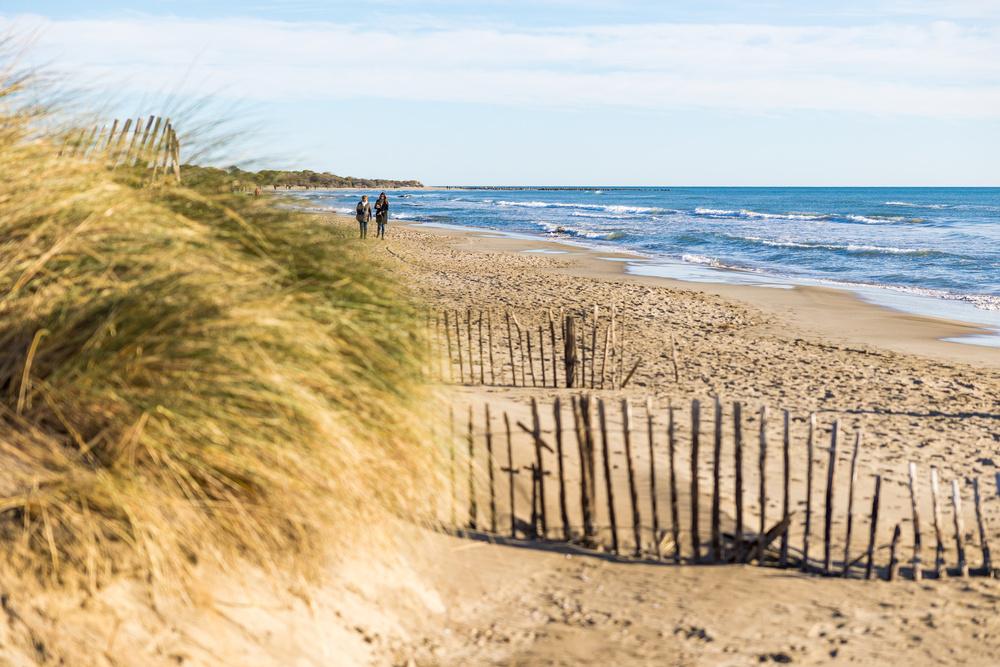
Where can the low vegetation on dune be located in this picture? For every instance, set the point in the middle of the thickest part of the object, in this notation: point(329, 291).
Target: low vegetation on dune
point(187, 375)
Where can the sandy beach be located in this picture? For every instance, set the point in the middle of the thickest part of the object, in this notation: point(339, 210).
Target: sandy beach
point(888, 374)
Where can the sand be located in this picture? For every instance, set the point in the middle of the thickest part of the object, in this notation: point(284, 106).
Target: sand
point(805, 350)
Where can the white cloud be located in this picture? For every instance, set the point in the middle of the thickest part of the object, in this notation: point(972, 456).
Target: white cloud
point(941, 70)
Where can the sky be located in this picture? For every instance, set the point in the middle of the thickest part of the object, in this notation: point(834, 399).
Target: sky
point(552, 92)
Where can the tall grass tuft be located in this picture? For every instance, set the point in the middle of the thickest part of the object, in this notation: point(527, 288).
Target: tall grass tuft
point(189, 376)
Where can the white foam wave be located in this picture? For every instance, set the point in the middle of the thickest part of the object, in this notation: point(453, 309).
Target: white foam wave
point(909, 205)
point(889, 250)
point(757, 215)
point(698, 259)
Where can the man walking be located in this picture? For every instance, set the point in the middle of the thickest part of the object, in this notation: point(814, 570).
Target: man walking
point(364, 215)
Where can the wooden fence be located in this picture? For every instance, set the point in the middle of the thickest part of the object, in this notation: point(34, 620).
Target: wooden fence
point(757, 509)
point(153, 147)
point(536, 350)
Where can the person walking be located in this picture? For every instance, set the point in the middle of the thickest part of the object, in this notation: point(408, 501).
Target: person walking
point(364, 215)
point(381, 215)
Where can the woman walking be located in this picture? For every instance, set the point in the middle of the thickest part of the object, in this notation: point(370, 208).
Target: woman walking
point(381, 215)
point(364, 215)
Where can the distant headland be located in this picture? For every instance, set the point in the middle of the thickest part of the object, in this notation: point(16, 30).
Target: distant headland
point(194, 174)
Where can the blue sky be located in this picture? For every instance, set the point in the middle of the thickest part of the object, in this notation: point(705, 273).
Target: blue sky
point(881, 92)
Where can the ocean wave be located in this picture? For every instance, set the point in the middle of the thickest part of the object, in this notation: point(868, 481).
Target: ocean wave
point(612, 208)
point(883, 219)
point(748, 214)
point(704, 261)
point(849, 248)
point(910, 205)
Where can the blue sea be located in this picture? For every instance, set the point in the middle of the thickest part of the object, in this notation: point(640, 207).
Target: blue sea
point(929, 250)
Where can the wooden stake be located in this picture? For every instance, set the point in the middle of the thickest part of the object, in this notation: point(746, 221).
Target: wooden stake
point(472, 477)
point(458, 342)
point(716, 477)
point(510, 476)
point(652, 477)
point(563, 512)
point(893, 559)
point(956, 503)
point(451, 452)
point(607, 349)
point(918, 566)
point(809, 490)
point(606, 453)
point(786, 492)
point(482, 361)
point(675, 523)
point(593, 349)
point(447, 333)
point(468, 329)
point(510, 347)
point(738, 452)
point(984, 538)
point(673, 352)
point(695, 433)
point(541, 353)
point(569, 343)
point(850, 502)
point(489, 328)
point(531, 359)
point(552, 332)
point(828, 525)
point(583, 349)
point(589, 464)
point(489, 465)
point(873, 528)
point(540, 468)
point(763, 486)
point(627, 438)
point(614, 348)
point(940, 570)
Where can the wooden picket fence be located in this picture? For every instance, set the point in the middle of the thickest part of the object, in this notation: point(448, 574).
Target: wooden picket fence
point(154, 147)
point(582, 502)
point(476, 347)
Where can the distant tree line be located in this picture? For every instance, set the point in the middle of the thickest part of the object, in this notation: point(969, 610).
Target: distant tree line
point(235, 178)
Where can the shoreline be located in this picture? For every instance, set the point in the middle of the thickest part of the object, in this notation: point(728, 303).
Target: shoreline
point(833, 314)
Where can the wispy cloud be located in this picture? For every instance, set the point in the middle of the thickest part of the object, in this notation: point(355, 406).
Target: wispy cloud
point(940, 70)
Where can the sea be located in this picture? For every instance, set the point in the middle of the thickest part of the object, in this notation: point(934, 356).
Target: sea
point(930, 251)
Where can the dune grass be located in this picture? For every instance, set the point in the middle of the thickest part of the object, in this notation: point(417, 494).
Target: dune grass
point(189, 376)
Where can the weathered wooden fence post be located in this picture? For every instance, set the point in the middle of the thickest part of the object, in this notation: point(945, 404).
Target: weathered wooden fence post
point(828, 525)
point(695, 433)
point(918, 566)
point(609, 486)
point(570, 352)
point(652, 478)
point(633, 493)
point(716, 480)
